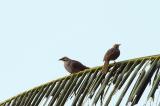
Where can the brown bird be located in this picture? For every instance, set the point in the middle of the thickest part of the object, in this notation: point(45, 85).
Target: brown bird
point(73, 66)
point(111, 54)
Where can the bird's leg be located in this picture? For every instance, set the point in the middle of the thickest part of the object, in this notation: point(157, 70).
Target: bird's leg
point(114, 62)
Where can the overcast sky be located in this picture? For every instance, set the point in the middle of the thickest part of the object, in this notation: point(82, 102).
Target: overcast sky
point(34, 34)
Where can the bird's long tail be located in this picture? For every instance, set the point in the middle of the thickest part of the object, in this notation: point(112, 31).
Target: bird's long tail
point(105, 67)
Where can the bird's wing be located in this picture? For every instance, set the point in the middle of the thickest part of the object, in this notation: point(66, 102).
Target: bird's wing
point(78, 66)
point(109, 53)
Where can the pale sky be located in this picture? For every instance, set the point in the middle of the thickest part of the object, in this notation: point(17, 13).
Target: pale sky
point(34, 34)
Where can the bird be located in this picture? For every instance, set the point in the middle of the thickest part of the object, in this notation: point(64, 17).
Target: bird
point(73, 66)
point(112, 54)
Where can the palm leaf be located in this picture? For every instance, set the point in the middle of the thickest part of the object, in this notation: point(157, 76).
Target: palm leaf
point(127, 82)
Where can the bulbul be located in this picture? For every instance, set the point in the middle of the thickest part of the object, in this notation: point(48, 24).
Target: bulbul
point(112, 54)
point(73, 66)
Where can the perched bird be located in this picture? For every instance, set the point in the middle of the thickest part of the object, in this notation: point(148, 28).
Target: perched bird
point(73, 66)
point(111, 54)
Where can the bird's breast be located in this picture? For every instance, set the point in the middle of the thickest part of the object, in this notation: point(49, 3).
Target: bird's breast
point(68, 67)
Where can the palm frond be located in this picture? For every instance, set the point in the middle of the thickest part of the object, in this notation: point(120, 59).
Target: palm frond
point(127, 83)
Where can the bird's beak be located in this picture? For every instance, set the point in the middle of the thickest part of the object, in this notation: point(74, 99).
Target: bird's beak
point(60, 59)
point(119, 44)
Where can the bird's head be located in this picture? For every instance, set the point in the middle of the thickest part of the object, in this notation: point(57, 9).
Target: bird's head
point(116, 45)
point(64, 59)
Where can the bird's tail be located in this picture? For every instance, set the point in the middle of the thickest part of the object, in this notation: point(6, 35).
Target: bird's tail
point(105, 67)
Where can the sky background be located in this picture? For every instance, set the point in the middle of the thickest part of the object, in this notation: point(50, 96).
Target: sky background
point(34, 34)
